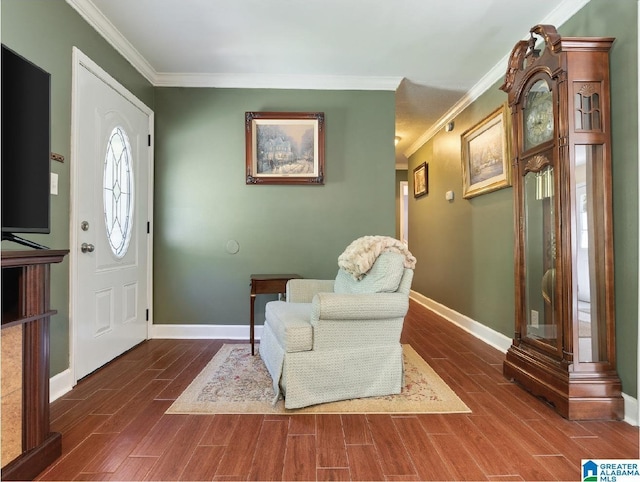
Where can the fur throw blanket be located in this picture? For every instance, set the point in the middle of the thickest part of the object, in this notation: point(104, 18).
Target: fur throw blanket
point(360, 255)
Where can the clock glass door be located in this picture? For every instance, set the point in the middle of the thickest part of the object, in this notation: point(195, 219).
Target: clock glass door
point(540, 256)
point(590, 281)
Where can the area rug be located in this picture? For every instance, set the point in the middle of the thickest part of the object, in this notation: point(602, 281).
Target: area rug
point(234, 381)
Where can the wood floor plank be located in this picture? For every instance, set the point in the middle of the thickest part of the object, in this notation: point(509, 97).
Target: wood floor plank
point(184, 378)
point(61, 406)
point(70, 466)
point(561, 467)
point(387, 441)
point(455, 377)
point(451, 449)
point(333, 474)
point(509, 435)
point(134, 408)
point(185, 358)
point(481, 449)
point(434, 423)
point(268, 462)
point(203, 463)
point(300, 457)
point(148, 351)
point(505, 420)
point(109, 379)
point(561, 443)
point(517, 460)
point(177, 454)
point(620, 434)
point(238, 457)
point(331, 449)
point(155, 442)
point(109, 457)
point(165, 359)
point(125, 393)
point(91, 476)
point(83, 408)
point(429, 465)
point(356, 429)
point(364, 463)
point(302, 424)
point(221, 429)
point(133, 468)
point(80, 431)
point(523, 405)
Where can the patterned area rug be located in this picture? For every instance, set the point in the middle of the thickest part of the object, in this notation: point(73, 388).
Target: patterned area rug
point(236, 382)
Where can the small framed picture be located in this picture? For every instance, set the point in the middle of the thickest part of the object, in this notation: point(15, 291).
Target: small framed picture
point(421, 180)
point(284, 147)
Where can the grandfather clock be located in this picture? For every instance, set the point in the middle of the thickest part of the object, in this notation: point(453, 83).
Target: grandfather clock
point(564, 344)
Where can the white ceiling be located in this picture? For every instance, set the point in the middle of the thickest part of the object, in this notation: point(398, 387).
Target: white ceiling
point(438, 55)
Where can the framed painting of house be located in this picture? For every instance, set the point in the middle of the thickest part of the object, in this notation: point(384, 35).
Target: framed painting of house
point(485, 155)
point(284, 147)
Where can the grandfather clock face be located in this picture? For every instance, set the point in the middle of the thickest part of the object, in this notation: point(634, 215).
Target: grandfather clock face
point(538, 115)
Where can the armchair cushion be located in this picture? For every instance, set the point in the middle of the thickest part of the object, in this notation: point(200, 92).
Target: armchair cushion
point(290, 324)
point(303, 290)
point(383, 277)
point(335, 306)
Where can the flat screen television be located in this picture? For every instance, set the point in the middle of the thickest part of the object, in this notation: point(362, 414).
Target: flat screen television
point(26, 148)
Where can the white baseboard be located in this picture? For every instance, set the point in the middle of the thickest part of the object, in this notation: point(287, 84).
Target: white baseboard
point(502, 342)
point(218, 332)
point(630, 410)
point(60, 384)
point(484, 333)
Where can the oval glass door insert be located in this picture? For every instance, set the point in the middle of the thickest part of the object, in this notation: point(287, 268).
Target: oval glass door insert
point(118, 192)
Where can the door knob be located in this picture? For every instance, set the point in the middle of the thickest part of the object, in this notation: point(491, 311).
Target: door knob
point(87, 248)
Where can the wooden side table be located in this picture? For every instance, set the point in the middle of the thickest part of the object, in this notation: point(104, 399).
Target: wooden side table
point(263, 284)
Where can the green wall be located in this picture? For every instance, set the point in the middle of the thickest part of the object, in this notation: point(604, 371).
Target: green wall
point(202, 201)
point(465, 248)
point(44, 31)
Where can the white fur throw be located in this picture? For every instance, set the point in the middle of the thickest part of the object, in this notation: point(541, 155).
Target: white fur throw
point(360, 255)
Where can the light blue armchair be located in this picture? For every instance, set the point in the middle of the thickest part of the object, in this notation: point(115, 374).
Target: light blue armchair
point(339, 339)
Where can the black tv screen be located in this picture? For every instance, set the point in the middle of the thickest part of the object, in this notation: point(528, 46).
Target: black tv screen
point(25, 146)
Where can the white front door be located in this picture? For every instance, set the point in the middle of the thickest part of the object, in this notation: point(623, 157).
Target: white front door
point(111, 179)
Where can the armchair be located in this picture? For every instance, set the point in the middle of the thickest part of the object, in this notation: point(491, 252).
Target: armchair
point(339, 339)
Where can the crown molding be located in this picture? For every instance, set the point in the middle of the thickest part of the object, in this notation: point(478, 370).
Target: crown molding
point(563, 12)
point(94, 17)
point(274, 81)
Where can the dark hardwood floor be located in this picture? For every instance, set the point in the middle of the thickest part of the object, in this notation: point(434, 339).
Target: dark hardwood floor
point(114, 427)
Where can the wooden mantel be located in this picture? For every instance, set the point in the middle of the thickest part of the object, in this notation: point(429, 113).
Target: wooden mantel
point(26, 312)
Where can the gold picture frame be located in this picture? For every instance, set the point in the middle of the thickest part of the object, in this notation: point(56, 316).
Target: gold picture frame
point(486, 159)
point(284, 147)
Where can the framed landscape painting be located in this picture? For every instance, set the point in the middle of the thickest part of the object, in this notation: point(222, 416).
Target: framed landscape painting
point(284, 147)
point(486, 164)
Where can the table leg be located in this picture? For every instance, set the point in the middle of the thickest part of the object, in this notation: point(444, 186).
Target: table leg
point(251, 323)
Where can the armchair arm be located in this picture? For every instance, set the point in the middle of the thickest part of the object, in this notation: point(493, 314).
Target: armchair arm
point(376, 306)
point(303, 290)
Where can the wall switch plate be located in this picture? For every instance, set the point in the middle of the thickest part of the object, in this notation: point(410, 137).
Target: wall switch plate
point(54, 184)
